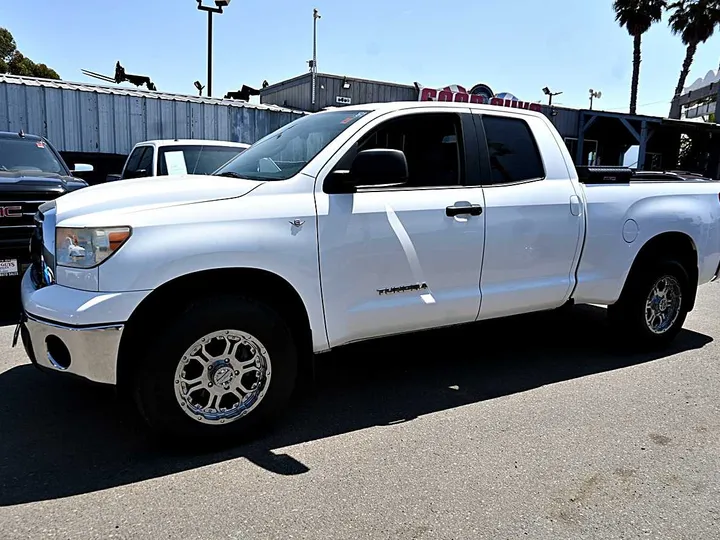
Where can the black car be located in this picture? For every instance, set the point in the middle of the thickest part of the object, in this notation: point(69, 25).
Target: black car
point(31, 172)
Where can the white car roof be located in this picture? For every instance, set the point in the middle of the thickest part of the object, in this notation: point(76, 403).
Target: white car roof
point(192, 142)
point(403, 105)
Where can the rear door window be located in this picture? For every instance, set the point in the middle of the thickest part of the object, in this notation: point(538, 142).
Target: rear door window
point(514, 155)
point(194, 159)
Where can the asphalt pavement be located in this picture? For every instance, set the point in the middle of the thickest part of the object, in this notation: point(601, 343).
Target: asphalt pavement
point(532, 427)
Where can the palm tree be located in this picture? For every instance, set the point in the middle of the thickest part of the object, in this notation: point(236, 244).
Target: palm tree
point(694, 21)
point(637, 16)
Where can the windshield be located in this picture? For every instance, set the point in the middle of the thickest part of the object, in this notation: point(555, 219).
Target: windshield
point(284, 152)
point(27, 156)
point(195, 159)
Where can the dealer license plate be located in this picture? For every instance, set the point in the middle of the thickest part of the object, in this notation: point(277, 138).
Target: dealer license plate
point(8, 267)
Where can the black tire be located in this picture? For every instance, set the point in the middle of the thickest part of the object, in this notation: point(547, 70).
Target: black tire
point(628, 315)
point(154, 388)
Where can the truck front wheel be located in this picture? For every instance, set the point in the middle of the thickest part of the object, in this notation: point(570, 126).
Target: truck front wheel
point(653, 306)
point(222, 368)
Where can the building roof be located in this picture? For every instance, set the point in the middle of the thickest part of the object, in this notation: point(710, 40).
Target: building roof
point(136, 92)
point(711, 77)
point(297, 78)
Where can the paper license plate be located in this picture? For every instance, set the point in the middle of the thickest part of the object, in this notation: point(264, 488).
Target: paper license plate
point(8, 267)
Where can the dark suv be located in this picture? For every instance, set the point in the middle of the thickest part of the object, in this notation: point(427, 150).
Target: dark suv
point(31, 172)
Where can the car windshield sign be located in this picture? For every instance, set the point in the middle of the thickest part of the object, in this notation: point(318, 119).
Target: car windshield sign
point(28, 157)
point(283, 153)
point(195, 159)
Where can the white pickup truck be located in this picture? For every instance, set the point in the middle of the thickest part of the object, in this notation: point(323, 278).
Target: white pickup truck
point(177, 157)
point(204, 296)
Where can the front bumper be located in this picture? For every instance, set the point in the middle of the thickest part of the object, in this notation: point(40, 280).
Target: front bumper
point(73, 331)
point(88, 352)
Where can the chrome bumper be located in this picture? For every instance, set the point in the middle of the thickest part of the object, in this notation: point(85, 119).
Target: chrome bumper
point(88, 352)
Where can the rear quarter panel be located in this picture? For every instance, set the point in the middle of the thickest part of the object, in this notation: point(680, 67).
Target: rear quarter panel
point(621, 219)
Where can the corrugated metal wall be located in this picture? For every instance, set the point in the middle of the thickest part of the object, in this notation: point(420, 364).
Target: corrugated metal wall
point(361, 91)
point(297, 93)
point(293, 93)
point(565, 120)
point(96, 119)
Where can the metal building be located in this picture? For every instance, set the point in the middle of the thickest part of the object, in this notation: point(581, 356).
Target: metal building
point(95, 119)
point(698, 100)
point(334, 91)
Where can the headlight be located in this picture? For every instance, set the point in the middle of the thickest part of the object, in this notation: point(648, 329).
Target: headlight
point(85, 248)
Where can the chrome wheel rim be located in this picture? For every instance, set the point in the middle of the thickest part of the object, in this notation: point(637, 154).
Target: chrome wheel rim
point(662, 307)
point(222, 377)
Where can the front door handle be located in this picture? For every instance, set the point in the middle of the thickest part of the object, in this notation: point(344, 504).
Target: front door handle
point(472, 209)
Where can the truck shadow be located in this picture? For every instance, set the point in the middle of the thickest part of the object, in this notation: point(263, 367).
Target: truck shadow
point(61, 438)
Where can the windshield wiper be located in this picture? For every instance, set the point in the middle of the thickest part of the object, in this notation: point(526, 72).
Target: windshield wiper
point(231, 174)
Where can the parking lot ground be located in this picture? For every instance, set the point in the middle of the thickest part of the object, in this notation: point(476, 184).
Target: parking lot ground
point(531, 427)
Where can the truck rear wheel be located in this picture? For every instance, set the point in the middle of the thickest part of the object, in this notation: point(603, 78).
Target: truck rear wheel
point(223, 368)
point(653, 306)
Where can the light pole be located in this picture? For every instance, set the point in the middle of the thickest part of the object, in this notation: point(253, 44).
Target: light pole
point(594, 95)
point(313, 62)
point(219, 5)
point(550, 95)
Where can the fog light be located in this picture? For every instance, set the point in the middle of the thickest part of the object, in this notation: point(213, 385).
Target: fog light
point(58, 353)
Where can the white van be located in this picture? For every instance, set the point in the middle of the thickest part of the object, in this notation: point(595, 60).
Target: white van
point(178, 156)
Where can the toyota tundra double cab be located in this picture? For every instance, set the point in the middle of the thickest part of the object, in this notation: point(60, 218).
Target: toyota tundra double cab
point(201, 296)
point(31, 173)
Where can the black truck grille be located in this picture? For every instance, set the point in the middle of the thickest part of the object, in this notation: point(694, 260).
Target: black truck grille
point(17, 222)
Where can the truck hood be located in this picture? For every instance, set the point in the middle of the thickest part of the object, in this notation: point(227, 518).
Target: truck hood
point(104, 204)
point(22, 182)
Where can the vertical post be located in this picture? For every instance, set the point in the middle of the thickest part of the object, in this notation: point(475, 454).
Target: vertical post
point(209, 81)
point(316, 16)
point(643, 146)
point(579, 159)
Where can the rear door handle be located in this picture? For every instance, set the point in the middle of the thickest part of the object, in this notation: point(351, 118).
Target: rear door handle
point(472, 209)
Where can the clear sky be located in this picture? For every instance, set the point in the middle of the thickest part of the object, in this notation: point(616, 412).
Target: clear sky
point(518, 47)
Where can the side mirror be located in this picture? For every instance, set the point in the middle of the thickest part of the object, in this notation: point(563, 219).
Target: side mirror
point(113, 177)
point(82, 167)
point(376, 167)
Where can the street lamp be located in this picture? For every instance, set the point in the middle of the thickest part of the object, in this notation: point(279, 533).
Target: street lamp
point(550, 95)
point(219, 5)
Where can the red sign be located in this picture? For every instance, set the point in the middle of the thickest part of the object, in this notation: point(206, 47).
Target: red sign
point(458, 94)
